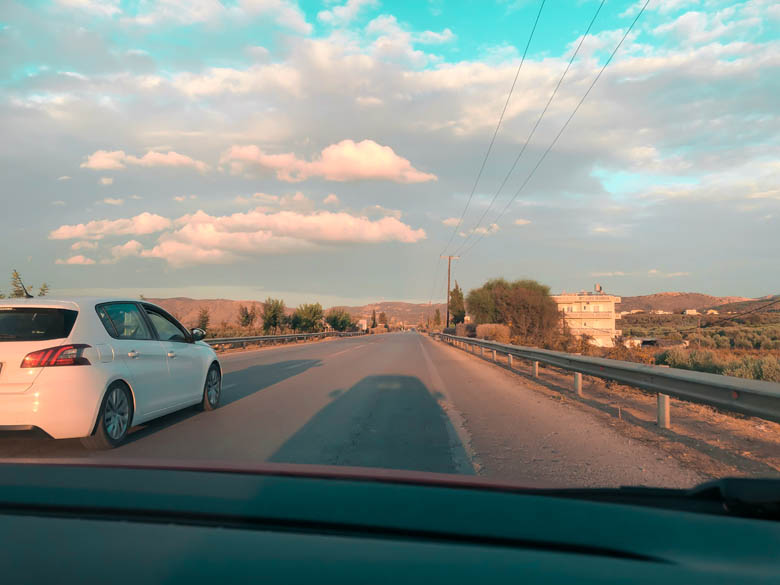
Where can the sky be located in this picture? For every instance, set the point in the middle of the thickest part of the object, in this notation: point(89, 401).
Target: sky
point(326, 151)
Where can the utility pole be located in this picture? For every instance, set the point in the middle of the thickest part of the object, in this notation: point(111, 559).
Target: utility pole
point(449, 265)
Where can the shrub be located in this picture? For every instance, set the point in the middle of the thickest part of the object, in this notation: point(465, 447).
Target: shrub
point(493, 332)
point(466, 330)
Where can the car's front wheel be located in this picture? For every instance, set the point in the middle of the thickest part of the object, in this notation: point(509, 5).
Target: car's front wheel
point(116, 413)
point(212, 389)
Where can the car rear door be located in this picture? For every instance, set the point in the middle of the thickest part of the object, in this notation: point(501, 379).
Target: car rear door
point(186, 365)
point(134, 342)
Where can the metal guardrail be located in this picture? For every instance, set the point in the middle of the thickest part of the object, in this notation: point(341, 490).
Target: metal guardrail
point(261, 339)
point(752, 397)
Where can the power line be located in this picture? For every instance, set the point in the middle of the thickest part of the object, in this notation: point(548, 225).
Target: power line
point(533, 131)
point(495, 132)
point(565, 125)
point(731, 317)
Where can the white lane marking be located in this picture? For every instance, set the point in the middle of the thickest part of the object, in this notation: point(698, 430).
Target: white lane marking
point(348, 349)
point(228, 386)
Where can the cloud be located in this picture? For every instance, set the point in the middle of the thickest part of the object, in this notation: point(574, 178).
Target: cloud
point(181, 198)
point(58, 203)
point(97, 7)
point(521, 221)
point(144, 223)
point(434, 38)
point(253, 80)
point(79, 259)
point(113, 201)
point(344, 161)
point(202, 238)
point(659, 273)
point(451, 221)
point(611, 273)
point(131, 248)
point(106, 180)
point(118, 159)
point(64, 178)
point(84, 245)
point(136, 197)
point(331, 199)
point(345, 13)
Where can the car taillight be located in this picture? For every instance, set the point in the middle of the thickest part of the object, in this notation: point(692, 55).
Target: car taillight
point(62, 355)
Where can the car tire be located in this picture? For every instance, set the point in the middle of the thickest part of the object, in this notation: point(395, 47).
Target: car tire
point(212, 389)
point(114, 419)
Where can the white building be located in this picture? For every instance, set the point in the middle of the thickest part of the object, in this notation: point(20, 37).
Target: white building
point(590, 314)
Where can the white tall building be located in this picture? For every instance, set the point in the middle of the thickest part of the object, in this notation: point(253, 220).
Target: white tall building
point(590, 314)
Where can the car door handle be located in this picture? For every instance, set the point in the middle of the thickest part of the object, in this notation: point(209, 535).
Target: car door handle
point(171, 354)
point(132, 354)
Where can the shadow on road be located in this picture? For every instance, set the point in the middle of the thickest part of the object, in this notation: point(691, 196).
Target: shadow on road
point(382, 421)
point(246, 381)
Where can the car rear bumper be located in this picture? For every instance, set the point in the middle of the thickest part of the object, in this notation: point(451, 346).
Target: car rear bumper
point(63, 402)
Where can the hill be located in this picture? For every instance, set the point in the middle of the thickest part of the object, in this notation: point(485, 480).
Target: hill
point(409, 313)
point(675, 302)
point(224, 310)
point(767, 304)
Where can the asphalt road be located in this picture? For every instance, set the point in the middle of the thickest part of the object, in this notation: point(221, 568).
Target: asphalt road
point(400, 401)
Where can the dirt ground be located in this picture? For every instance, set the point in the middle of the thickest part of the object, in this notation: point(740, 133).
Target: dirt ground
point(712, 442)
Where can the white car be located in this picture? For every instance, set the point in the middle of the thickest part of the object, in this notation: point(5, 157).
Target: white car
point(93, 368)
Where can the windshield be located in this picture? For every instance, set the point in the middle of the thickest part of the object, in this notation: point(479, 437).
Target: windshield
point(35, 323)
point(526, 241)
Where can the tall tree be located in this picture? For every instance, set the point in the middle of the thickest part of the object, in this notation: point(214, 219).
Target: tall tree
point(383, 318)
point(373, 319)
point(457, 306)
point(17, 287)
point(273, 315)
point(204, 316)
point(44, 290)
point(339, 319)
point(246, 316)
point(308, 317)
point(437, 319)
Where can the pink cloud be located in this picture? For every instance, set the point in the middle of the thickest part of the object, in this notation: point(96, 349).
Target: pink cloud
point(144, 223)
point(79, 259)
point(344, 161)
point(118, 159)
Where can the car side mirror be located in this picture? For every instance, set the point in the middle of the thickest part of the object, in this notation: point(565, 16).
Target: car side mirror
point(197, 334)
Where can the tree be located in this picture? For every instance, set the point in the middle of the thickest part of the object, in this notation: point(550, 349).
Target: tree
point(524, 305)
point(17, 287)
point(273, 315)
point(457, 306)
point(44, 290)
point(383, 318)
point(203, 319)
point(246, 316)
point(339, 319)
point(437, 319)
point(308, 318)
point(373, 319)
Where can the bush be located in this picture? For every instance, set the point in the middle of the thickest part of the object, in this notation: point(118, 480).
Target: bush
point(493, 332)
point(755, 368)
point(450, 330)
point(466, 330)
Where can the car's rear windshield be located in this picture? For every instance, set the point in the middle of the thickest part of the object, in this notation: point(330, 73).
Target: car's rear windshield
point(35, 323)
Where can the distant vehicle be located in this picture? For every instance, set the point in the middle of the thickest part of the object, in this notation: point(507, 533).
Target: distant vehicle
point(93, 368)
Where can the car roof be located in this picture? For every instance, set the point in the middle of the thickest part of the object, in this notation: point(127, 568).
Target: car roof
point(64, 302)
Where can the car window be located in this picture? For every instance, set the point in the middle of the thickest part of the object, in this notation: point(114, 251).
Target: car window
point(35, 323)
point(127, 321)
point(167, 330)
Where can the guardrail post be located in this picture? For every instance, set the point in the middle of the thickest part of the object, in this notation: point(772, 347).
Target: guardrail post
point(509, 360)
point(578, 384)
point(494, 356)
point(663, 411)
point(481, 351)
point(536, 369)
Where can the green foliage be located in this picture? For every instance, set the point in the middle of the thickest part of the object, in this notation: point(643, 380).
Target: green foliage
point(44, 290)
point(493, 332)
point(246, 317)
point(383, 318)
point(339, 319)
point(755, 368)
point(373, 319)
point(202, 321)
point(17, 286)
point(308, 318)
point(457, 305)
point(437, 319)
point(273, 315)
point(524, 305)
